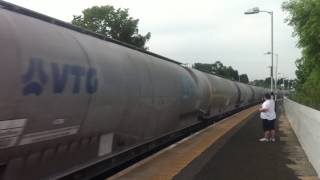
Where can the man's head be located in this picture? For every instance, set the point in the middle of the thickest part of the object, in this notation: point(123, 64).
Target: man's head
point(267, 96)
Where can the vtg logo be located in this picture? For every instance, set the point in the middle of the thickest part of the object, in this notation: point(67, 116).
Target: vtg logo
point(35, 79)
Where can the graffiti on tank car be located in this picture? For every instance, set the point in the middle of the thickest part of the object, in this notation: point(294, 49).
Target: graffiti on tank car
point(187, 87)
point(38, 74)
point(33, 85)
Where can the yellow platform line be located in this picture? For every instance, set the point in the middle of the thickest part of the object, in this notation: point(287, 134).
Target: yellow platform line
point(169, 162)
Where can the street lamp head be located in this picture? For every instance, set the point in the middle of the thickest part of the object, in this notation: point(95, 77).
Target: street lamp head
point(254, 10)
point(268, 53)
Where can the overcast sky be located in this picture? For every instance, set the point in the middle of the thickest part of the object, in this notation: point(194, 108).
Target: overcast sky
point(203, 31)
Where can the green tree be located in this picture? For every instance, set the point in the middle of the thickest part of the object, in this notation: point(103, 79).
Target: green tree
point(207, 68)
point(113, 23)
point(218, 69)
point(244, 78)
point(304, 17)
point(260, 83)
point(265, 83)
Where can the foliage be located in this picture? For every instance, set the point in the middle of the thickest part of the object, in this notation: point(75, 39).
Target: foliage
point(286, 84)
point(304, 17)
point(265, 83)
point(244, 78)
point(113, 23)
point(309, 92)
point(219, 69)
point(260, 83)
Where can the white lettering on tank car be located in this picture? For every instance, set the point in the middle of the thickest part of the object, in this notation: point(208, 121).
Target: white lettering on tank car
point(105, 146)
point(8, 142)
point(58, 121)
point(15, 123)
point(9, 132)
point(48, 135)
point(4, 133)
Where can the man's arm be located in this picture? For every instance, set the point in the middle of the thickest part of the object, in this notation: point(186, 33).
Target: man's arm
point(262, 110)
point(264, 107)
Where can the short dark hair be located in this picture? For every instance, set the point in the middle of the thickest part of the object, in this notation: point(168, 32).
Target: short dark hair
point(267, 96)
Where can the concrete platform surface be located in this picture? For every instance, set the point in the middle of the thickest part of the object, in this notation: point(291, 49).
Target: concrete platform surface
point(243, 157)
point(185, 158)
point(229, 150)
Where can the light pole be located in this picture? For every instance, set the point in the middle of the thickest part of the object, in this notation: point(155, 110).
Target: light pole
point(283, 77)
point(256, 10)
point(283, 82)
point(276, 78)
point(279, 77)
point(277, 57)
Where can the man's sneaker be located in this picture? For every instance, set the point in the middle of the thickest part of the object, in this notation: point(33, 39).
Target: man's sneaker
point(264, 140)
point(273, 140)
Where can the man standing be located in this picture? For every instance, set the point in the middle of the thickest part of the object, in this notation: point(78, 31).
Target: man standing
point(268, 116)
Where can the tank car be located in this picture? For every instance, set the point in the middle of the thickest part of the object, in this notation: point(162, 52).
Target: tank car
point(69, 98)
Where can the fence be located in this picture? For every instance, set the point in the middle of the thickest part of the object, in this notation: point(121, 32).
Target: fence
point(305, 122)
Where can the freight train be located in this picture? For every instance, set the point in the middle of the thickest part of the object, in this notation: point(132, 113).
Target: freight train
point(70, 97)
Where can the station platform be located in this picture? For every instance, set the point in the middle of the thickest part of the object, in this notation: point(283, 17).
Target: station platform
point(227, 150)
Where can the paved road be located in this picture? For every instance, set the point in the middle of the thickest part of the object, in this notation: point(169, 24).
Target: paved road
point(244, 158)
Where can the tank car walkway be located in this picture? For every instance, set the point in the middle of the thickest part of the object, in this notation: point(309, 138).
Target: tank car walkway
point(225, 151)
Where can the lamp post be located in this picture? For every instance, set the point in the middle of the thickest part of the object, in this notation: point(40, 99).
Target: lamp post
point(277, 56)
point(279, 77)
point(256, 10)
point(283, 82)
point(276, 78)
point(283, 77)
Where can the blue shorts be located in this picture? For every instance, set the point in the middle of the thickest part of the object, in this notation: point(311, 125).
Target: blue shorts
point(268, 124)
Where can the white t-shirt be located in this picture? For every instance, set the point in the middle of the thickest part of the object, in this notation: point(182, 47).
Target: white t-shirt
point(270, 114)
